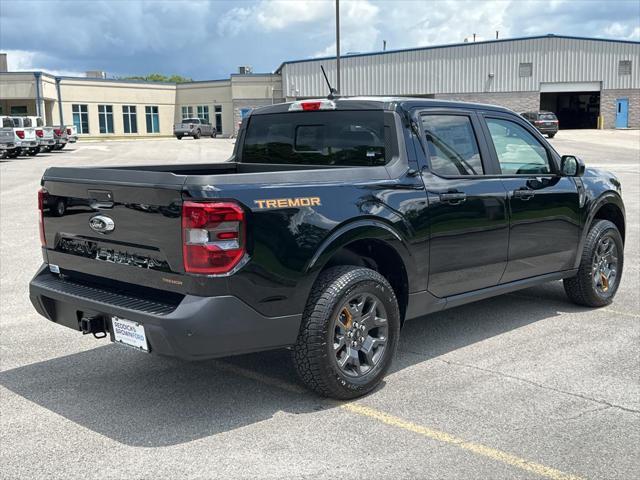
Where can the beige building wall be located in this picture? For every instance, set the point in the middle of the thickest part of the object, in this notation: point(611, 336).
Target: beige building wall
point(92, 93)
point(210, 94)
point(230, 96)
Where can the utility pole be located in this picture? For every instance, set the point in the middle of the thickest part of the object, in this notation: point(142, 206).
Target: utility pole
point(338, 45)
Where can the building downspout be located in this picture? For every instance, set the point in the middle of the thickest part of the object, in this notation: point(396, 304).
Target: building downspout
point(59, 101)
point(38, 78)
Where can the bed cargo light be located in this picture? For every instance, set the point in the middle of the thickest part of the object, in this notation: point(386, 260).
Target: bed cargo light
point(213, 237)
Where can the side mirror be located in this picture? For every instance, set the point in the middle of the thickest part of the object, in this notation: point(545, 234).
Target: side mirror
point(571, 166)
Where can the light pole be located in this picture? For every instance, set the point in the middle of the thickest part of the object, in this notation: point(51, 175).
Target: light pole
point(338, 45)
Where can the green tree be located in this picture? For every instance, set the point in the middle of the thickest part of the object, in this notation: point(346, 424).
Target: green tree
point(158, 77)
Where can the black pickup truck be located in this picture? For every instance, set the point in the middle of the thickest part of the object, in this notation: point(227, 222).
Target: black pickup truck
point(335, 221)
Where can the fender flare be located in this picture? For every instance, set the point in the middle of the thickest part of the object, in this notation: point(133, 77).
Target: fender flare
point(363, 229)
point(607, 197)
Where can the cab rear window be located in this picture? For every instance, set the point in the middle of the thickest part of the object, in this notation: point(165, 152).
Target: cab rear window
point(340, 138)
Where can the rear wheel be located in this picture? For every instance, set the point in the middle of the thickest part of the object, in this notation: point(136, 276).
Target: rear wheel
point(349, 332)
point(551, 135)
point(179, 137)
point(197, 135)
point(600, 269)
point(213, 134)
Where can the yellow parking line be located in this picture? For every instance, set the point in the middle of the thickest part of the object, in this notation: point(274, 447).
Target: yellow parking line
point(477, 448)
point(444, 437)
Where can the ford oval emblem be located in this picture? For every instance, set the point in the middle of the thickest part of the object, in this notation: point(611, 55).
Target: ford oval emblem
point(101, 224)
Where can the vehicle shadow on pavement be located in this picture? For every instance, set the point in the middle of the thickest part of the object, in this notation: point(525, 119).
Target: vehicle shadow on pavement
point(150, 401)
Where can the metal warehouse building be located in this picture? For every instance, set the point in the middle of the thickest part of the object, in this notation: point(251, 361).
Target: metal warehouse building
point(582, 80)
point(577, 78)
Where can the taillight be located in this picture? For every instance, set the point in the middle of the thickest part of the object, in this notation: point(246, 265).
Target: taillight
point(20, 133)
point(312, 105)
point(40, 133)
point(68, 131)
point(213, 237)
point(57, 131)
point(42, 195)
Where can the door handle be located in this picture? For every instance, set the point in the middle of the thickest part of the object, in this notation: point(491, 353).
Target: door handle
point(453, 198)
point(524, 194)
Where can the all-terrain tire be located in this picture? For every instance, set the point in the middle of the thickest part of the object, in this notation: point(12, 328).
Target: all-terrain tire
point(313, 354)
point(581, 289)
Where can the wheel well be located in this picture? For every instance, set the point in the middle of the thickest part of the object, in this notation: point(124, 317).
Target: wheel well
point(381, 257)
point(611, 212)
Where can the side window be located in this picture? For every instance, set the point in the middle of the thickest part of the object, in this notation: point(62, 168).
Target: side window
point(518, 151)
point(452, 144)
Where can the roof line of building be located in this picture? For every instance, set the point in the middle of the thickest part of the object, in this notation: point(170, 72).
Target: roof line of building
point(449, 45)
point(147, 82)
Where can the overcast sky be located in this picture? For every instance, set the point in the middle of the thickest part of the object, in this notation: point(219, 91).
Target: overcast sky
point(210, 39)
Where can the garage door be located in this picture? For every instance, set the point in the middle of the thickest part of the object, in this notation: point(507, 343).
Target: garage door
point(577, 105)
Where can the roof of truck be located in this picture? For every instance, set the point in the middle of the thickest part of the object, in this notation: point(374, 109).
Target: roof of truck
point(381, 103)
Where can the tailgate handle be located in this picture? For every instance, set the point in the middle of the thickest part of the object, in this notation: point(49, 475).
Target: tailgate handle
point(102, 198)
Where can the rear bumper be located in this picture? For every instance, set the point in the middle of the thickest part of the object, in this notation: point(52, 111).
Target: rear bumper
point(27, 143)
point(194, 328)
point(547, 130)
point(7, 146)
point(43, 142)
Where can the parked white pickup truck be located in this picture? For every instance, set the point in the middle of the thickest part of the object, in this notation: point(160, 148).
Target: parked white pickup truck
point(44, 134)
point(194, 127)
point(24, 135)
point(72, 133)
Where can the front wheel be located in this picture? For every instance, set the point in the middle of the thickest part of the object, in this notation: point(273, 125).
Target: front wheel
point(600, 269)
point(349, 333)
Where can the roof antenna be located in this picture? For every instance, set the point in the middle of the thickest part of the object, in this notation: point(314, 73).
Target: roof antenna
point(332, 91)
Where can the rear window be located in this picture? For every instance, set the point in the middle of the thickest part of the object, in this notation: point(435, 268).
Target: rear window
point(341, 138)
point(26, 122)
point(547, 116)
point(39, 122)
point(7, 123)
point(190, 120)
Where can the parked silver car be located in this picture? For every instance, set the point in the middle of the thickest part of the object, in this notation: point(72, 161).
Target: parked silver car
point(194, 127)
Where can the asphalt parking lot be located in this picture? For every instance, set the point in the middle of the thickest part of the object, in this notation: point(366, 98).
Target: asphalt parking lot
point(525, 385)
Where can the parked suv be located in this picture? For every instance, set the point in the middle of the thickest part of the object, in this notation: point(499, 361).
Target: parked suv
point(546, 122)
point(333, 223)
point(194, 127)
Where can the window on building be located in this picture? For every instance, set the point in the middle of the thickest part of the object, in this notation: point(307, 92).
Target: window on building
point(203, 113)
point(187, 112)
point(518, 150)
point(19, 110)
point(526, 69)
point(218, 111)
point(105, 118)
point(129, 119)
point(452, 144)
point(624, 67)
point(153, 119)
point(80, 117)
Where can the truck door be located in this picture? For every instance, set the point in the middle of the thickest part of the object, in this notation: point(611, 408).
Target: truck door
point(467, 208)
point(544, 206)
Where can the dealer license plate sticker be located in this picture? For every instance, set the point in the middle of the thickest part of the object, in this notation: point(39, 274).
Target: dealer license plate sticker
point(130, 333)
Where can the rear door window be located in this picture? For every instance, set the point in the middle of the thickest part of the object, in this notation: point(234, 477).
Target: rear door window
point(453, 148)
point(518, 151)
point(340, 138)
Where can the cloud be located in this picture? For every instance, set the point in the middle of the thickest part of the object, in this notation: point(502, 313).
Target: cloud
point(209, 39)
point(30, 61)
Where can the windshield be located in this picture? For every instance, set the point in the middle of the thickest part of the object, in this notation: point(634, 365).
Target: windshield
point(341, 138)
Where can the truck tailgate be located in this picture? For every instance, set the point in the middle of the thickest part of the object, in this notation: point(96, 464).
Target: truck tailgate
point(120, 222)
